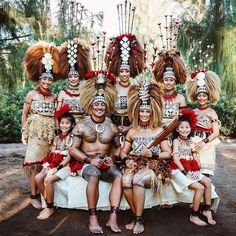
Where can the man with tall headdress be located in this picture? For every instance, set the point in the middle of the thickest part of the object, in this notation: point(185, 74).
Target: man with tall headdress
point(93, 138)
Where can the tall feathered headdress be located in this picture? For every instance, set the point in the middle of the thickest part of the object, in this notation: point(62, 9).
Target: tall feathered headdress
point(125, 51)
point(74, 59)
point(42, 60)
point(145, 95)
point(169, 64)
point(99, 86)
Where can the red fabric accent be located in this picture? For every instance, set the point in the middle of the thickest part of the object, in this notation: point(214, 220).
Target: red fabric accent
point(32, 163)
point(75, 165)
point(170, 97)
point(54, 159)
point(189, 165)
point(45, 94)
point(197, 128)
point(71, 94)
point(108, 75)
point(64, 109)
point(203, 108)
point(190, 115)
point(104, 166)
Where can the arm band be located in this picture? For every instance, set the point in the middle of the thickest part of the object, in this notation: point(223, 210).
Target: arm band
point(185, 172)
point(206, 140)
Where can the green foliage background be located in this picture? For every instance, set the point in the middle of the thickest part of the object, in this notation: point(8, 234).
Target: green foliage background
point(212, 22)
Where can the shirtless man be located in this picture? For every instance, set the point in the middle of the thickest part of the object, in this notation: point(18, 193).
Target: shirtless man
point(93, 138)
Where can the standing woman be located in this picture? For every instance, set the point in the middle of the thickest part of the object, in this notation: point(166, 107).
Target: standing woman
point(41, 65)
point(74, 64)
point(204, 88)
point(124, 58)
point(170, 70)
point(144, 167)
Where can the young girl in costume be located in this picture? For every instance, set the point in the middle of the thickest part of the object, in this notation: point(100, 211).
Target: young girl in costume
point(55, 163)
point(186, 169)
point(204, 88)
point(41, 65)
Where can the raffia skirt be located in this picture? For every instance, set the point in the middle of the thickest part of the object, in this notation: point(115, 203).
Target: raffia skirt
point(38, 135)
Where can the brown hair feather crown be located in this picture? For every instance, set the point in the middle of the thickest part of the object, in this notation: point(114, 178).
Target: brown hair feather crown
point(81, 58)
point(172, 59)
point(33, 61)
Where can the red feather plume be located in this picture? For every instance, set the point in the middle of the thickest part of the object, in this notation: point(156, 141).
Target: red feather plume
point(64, 109)
point(190, 115)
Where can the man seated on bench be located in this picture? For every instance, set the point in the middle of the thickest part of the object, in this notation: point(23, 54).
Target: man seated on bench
point(92, 145)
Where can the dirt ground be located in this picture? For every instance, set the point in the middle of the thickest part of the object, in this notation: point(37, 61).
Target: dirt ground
point(17, 217)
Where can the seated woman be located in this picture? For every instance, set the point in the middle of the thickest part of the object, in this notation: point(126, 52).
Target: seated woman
point(144, 167)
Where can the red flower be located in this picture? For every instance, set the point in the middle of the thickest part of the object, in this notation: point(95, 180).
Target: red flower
point(64, 109)
point(190, 115)
point(89, 74)
point(56, 160)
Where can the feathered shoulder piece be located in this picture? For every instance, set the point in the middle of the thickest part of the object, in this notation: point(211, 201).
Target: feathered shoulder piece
point(42, 59)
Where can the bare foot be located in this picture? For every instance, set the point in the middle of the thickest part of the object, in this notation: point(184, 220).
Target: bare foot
point(112, 223)
point(208, 215)
point(36, 203)
point(94, 227)
point(130, 226)
point(45, 213)
point(138, 228)
point(197, 221)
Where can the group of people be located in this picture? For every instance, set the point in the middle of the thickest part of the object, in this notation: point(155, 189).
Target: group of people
point(117, 132)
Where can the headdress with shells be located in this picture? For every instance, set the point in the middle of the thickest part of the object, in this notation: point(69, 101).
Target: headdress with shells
point(125, 51)
point(169, 64)
point(42, 60)
point(203, 80)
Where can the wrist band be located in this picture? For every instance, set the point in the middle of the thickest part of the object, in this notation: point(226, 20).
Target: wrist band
point(87, 159)
point(185, 172)
point(59, 167)
point(155, 155)
point(206, 140)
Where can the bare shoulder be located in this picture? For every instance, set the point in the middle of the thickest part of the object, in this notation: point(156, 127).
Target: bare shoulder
point(79, 129)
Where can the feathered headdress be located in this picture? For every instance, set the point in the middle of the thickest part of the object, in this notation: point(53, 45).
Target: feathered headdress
point(169, 64)
point(74, 59)
point(145, 95)
point(42, 60)
point(189, 115)
point(124, 51)
point(204, 81)
point(64, 109)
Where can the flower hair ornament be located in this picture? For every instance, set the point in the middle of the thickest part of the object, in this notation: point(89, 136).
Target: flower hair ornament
point(125, 51)
point(169, 63)
point(42, 60)
point(190, 115)
point(64, 109)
